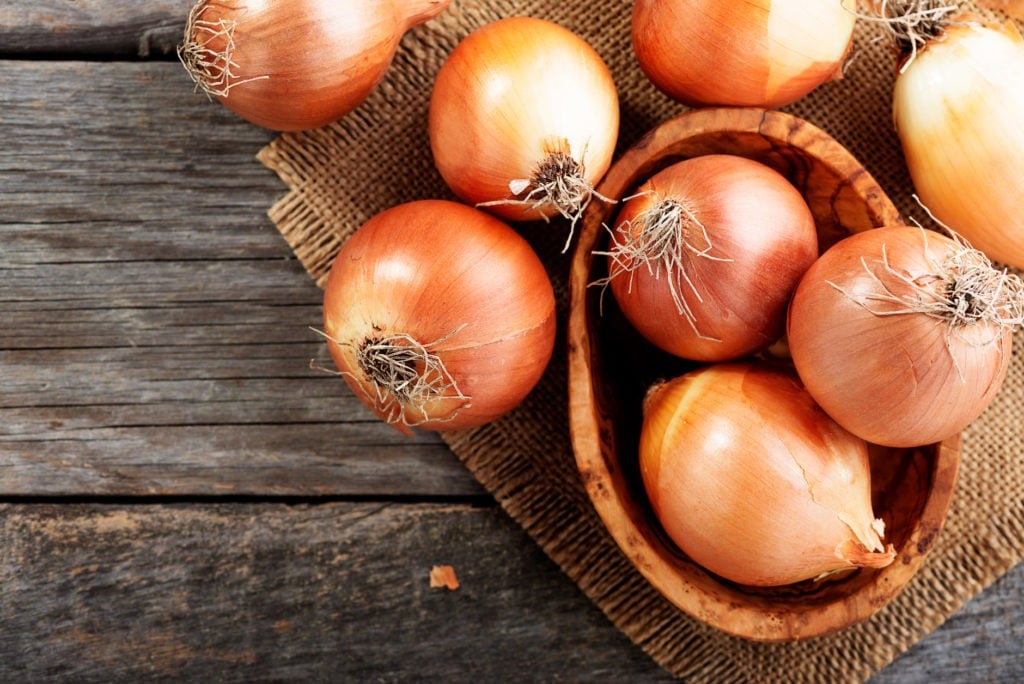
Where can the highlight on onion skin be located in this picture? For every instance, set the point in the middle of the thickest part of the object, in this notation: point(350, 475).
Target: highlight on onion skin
point(439, 316)
point(903, 335)
point(705, 255)
point(290, 65)
point(958, 102)
point(753, 481)
point(524, 119)
point(758, 54)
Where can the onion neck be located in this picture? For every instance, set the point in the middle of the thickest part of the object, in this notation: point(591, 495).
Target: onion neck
point(859, 555)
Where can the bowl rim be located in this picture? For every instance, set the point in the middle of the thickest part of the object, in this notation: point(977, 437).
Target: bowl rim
point(697, 592)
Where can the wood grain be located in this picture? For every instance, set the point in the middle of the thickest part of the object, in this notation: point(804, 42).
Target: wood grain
point(336, 592)
point(101, 28)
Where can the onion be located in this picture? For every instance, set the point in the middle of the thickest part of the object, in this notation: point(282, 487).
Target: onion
point(958, 103)
point(524, 118)
point(762, 54)
point(296, 64)
point(753, 481)
point(706, 255)
point(439, 315)
point(904, 335)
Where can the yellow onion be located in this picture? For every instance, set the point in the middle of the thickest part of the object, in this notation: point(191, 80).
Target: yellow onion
point(524, 118)
point(439, 315)
point(904, 335)
point(958, 104)
point(753, 481)
point(706, 254)
point(766, 53)
point(296, 64)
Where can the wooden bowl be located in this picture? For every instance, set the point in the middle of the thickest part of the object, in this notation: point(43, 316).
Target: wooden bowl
point(611, 367)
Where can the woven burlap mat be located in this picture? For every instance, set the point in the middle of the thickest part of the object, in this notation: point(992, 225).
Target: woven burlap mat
point(378, 156)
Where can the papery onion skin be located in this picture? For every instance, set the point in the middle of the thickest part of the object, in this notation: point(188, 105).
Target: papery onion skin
point(762, 238)
point(296, 64)
point(510, 94)
point(903, 379)
point(759, 54)
point(958, 107)
point(753, 481)
point(458, 281)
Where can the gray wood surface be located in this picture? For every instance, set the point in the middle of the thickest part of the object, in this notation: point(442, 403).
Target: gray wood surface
point(181, 495)
point(333, 592)
point(102, 29)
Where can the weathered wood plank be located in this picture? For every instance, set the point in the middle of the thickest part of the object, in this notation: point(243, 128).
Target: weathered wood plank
point(29, 323)
point(335, 592)
point(105, 28)
point(340, 592)
point(156, 333)
point(243, 459)
point(170, 175)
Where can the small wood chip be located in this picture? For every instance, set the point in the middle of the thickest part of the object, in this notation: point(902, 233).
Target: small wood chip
point(443, 576)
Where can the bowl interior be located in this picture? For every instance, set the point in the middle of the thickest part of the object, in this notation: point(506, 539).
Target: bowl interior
point(611, 366)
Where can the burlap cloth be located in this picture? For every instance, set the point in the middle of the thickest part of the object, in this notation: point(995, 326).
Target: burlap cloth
point(378, 156)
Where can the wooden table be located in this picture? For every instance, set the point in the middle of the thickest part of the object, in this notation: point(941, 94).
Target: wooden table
point(183, 496)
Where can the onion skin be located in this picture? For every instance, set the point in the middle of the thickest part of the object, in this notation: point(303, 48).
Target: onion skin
point(457, 280)
point(753, 481)
point(895, 380)
point(759, 54)
point(298, 64)
point(958, 107)
point(508, 95)
point(755, 219)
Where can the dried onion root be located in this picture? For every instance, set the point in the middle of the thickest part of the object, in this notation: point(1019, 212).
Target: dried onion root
point(962, 290)
point(206, 53)
point(401, 378)
point(558, 182)
point(661, 240)
point(912, 23)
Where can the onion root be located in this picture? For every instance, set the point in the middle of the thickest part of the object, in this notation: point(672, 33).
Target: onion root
point(661, 239)
point(206, 53)
point(558, 181)
point(912, 23)
point(405, 375)
point(964, 289)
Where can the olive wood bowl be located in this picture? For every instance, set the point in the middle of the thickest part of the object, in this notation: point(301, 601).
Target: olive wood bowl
point(611, 367)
